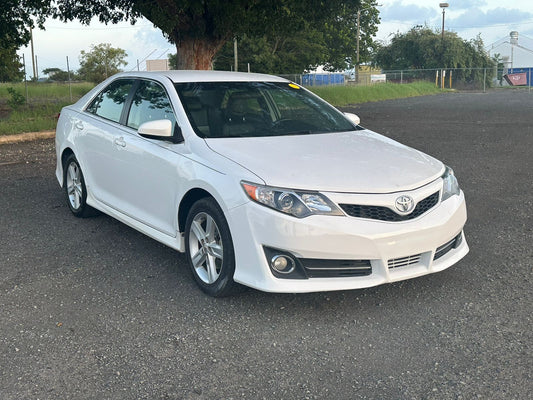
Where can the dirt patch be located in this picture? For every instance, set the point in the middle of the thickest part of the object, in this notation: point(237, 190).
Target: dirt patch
point(25, 137)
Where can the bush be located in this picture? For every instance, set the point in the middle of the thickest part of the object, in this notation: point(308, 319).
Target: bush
point(16, 99)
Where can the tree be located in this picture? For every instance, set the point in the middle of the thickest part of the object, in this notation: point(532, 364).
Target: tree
point(340, 35)
point(422, 48)
point(199, 28)
point(16, 19)
point(173, 61)
point(10, 66)
point(331, 44)
point(57, 74)
point(101, 62)
point(275, 54)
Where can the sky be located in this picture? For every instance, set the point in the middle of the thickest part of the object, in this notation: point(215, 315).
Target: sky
point(492, 19)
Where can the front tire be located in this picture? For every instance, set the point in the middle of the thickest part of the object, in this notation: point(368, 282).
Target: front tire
point(209, 249)
point(75, 189)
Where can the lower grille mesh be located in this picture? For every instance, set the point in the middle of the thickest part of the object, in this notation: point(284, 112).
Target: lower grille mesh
point(404, 261)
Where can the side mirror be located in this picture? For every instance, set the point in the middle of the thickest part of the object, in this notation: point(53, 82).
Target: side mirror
point(352, 118)
point(161, 129)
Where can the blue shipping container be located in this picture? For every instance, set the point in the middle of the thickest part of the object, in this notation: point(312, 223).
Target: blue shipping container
point(322, 79)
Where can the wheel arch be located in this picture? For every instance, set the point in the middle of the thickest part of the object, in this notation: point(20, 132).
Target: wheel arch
point(191, 197)
point(67, 151)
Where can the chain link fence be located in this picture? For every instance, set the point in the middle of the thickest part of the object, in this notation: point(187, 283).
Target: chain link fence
point(446, 78)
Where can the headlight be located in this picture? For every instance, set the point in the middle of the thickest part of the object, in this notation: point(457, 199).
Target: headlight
point(294, 202)
point(451, 186)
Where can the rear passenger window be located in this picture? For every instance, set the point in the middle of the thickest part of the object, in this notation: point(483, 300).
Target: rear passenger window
point(150, 103)
point(110, 102)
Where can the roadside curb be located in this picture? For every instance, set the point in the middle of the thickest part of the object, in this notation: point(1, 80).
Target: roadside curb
point(26, 137)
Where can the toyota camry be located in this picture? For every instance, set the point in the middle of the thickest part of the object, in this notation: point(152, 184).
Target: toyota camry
point(259, 182)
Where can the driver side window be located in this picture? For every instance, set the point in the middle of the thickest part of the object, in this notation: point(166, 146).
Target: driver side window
point(150, 102)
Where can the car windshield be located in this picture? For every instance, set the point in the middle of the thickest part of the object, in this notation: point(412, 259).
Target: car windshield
point(252, 109)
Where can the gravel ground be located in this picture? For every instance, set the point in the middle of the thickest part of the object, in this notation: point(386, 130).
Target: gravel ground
point(91, 309)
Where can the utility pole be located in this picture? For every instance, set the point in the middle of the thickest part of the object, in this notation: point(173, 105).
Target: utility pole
point(25, 80)
point(33, 56)
point(235, 54)
point(69, 83)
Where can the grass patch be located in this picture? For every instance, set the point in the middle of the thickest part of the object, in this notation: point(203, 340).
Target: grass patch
point(39, 112)
point(346, 95)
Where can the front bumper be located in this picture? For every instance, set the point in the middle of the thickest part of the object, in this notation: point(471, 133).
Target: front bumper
point(345, 238)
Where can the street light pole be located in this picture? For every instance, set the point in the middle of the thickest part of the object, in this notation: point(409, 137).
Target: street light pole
point(356, 66)
point(443, 6)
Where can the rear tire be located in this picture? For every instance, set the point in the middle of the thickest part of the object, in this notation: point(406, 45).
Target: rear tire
point(75, 190)
point(209, 249)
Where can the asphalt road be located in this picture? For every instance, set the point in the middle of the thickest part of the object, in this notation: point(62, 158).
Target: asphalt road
point(91, 309)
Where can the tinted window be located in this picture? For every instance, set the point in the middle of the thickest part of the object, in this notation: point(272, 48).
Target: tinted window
point(110, 102)
point(247, 109)
point(150, 103)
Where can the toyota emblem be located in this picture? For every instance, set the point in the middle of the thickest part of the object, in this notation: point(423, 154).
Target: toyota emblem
point(404, 204)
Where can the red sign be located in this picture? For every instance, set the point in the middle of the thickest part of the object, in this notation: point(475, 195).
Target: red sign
point(516, 79)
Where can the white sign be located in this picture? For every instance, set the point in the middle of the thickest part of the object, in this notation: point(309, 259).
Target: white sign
point(378, 78)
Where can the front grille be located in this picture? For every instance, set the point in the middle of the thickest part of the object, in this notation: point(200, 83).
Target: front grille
point(317, 268)
point(386, 214)
point(404, 261)
point(446, 247)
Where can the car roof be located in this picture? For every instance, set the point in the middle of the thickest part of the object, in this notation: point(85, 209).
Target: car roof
point(178, 76)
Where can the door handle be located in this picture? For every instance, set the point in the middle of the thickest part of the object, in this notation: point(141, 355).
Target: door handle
point(78, 125)
point(120, 142)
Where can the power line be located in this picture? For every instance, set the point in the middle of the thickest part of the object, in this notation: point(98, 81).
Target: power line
point(97, 29)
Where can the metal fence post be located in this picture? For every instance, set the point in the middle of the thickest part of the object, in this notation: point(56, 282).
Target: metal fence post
point(484, 79)
point(69, 83)
point(25, 80)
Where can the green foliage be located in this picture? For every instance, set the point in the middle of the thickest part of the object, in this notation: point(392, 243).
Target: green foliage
point(422, 48)
point(340, 35)
point(16, 99)
point(16, 18)
point(101, 62)
point(10, 66)
point(331, 43)
point(57, 74)
point(274, 54)
point(200, 28)
point(173, 61)
point(347, 95)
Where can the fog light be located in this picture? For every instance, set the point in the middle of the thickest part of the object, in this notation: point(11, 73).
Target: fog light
point(282, 264)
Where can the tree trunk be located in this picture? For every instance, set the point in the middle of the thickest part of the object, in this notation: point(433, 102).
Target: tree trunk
point(197, 53)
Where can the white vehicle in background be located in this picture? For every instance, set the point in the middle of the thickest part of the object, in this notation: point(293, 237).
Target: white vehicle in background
point(259, 182)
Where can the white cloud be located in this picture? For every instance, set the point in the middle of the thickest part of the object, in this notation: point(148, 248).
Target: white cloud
point(60, 40)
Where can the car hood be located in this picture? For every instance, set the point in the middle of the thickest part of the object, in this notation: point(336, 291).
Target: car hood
point(356, 162)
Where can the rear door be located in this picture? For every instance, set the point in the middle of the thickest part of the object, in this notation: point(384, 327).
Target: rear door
point(98, 132)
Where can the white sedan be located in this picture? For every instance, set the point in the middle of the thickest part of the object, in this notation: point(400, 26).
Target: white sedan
point(259, 182)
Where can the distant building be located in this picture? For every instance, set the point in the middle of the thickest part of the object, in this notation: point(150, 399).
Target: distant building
point(157, 65)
